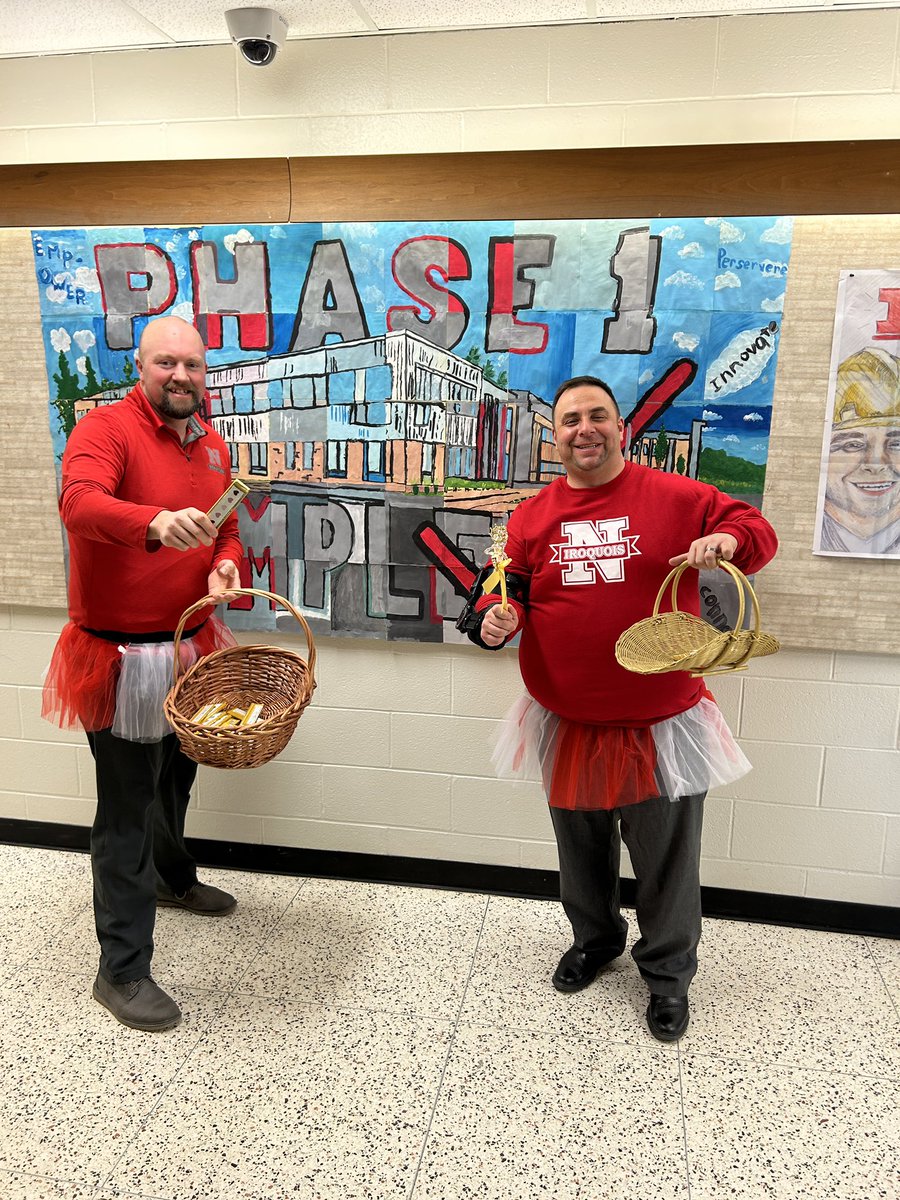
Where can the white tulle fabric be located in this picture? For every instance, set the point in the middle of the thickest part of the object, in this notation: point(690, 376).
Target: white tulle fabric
point(144, 681)
point(695, 750)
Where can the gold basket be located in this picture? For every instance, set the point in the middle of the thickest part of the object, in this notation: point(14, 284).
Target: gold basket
point(278, 679)
point(679, 641)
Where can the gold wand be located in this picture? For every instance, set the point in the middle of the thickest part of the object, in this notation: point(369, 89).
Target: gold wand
point(497, 554)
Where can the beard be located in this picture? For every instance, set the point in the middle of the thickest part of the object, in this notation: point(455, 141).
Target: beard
point(180, 407)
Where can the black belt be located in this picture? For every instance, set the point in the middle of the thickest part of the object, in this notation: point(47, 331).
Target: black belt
point(140, 639)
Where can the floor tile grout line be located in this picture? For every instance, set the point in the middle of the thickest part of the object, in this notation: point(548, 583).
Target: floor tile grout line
point(777, 1065)
point(451, 1041)
point(687, 1160)
point(877, 966)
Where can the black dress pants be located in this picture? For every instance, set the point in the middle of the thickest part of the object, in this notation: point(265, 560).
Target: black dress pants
point(143, 789)
point(663, 840)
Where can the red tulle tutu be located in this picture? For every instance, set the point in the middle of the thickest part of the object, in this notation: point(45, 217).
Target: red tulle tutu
point(586, 766)
point(81, 681)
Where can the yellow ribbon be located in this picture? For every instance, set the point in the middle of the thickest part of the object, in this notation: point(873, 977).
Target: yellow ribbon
point(498, 575)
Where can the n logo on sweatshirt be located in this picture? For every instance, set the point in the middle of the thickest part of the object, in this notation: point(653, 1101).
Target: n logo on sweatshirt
point(594, 549)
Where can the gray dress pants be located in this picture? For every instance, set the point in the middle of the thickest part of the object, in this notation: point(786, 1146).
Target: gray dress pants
point(663, 840)
point(143, 789)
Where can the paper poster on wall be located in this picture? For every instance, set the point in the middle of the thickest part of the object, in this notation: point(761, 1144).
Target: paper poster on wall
point(385, 388)
point(858, 514)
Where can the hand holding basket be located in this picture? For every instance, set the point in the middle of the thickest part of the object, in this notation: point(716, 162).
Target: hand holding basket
point(679, 641)
point(282, 681)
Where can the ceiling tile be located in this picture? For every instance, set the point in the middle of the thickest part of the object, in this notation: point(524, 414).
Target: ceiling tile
point(59, 27)
point(413, 14)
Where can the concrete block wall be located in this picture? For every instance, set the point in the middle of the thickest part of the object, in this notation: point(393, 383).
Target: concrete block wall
point(393, 756)
point(777, 77)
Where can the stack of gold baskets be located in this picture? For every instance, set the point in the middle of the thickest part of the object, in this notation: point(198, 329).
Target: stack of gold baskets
point(679, 641)
point(241, 678)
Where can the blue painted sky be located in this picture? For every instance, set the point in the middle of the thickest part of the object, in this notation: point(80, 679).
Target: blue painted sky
point(721, 282)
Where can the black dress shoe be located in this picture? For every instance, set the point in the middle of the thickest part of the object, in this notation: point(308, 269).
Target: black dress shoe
point(667, 1017)
point(577, 968)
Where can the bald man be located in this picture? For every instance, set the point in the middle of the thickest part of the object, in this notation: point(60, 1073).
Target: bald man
point(138, 478)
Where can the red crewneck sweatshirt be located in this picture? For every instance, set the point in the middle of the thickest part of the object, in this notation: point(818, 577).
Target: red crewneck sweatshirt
point(595, 558)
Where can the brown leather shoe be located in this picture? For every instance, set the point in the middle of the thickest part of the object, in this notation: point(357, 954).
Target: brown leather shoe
point(577, 968)
point(202, 898)
point(139, 1004)
point(668, 1017)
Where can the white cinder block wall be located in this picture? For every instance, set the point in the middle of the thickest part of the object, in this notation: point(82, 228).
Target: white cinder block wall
point(393, 756)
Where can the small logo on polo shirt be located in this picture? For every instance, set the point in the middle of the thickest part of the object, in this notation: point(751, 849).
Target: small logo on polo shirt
point(215, 459)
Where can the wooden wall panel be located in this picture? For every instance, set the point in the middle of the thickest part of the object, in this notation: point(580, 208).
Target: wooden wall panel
point(149, 193)
point(794, 178)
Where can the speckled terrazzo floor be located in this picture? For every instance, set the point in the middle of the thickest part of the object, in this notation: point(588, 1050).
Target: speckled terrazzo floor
point(350, 1041)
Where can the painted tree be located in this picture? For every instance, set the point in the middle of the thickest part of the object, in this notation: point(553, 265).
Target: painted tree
point(474, 357)
point(91, 387)
point(680, 465)
point(67, 392)
point(489, 373)
point(661, 449)
point(128, 371)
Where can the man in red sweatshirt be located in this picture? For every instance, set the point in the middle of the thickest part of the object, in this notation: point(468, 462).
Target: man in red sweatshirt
point(138, 479)
point(621, 755)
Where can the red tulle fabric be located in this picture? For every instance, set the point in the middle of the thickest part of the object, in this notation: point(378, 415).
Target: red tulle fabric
point(80, 684)
point(594, 766)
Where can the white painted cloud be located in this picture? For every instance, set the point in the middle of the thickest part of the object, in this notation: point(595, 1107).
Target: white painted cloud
point(730, 437)
point(645, 376)
point(776, 304)
point(84, 338)
point(726, 280)
point(754, 417)
point(230, 240)
point(780, 232)
point(683, 279)
point(673, 231)
point(60, 340)
point(740, 363)
point(728, 233)
point(685, 341)
point(359, 229)
point(691, 250)
point(81, 364)
point(56, 295)
point(86, 277)
point(185, 311)
point(194, 235)
point(710, 415)
point(277, 232)
point(373, 298)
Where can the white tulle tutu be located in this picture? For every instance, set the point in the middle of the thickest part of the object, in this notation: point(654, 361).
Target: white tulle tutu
point(145, 677)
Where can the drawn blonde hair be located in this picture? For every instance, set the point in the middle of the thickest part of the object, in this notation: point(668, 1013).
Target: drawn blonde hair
point(868, 390)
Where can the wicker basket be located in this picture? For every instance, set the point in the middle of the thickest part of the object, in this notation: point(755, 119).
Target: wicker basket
point(240, 675)
point(679, 641)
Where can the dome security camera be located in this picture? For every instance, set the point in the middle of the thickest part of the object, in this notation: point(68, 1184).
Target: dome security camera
point(257, 33)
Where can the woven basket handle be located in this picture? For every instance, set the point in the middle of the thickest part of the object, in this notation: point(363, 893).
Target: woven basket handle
point(206, 601)
point(743, 585)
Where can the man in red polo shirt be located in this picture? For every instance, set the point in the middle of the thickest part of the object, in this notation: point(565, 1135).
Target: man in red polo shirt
point(138, 478)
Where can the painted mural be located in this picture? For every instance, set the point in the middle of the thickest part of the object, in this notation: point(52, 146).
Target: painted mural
point(385, 388)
